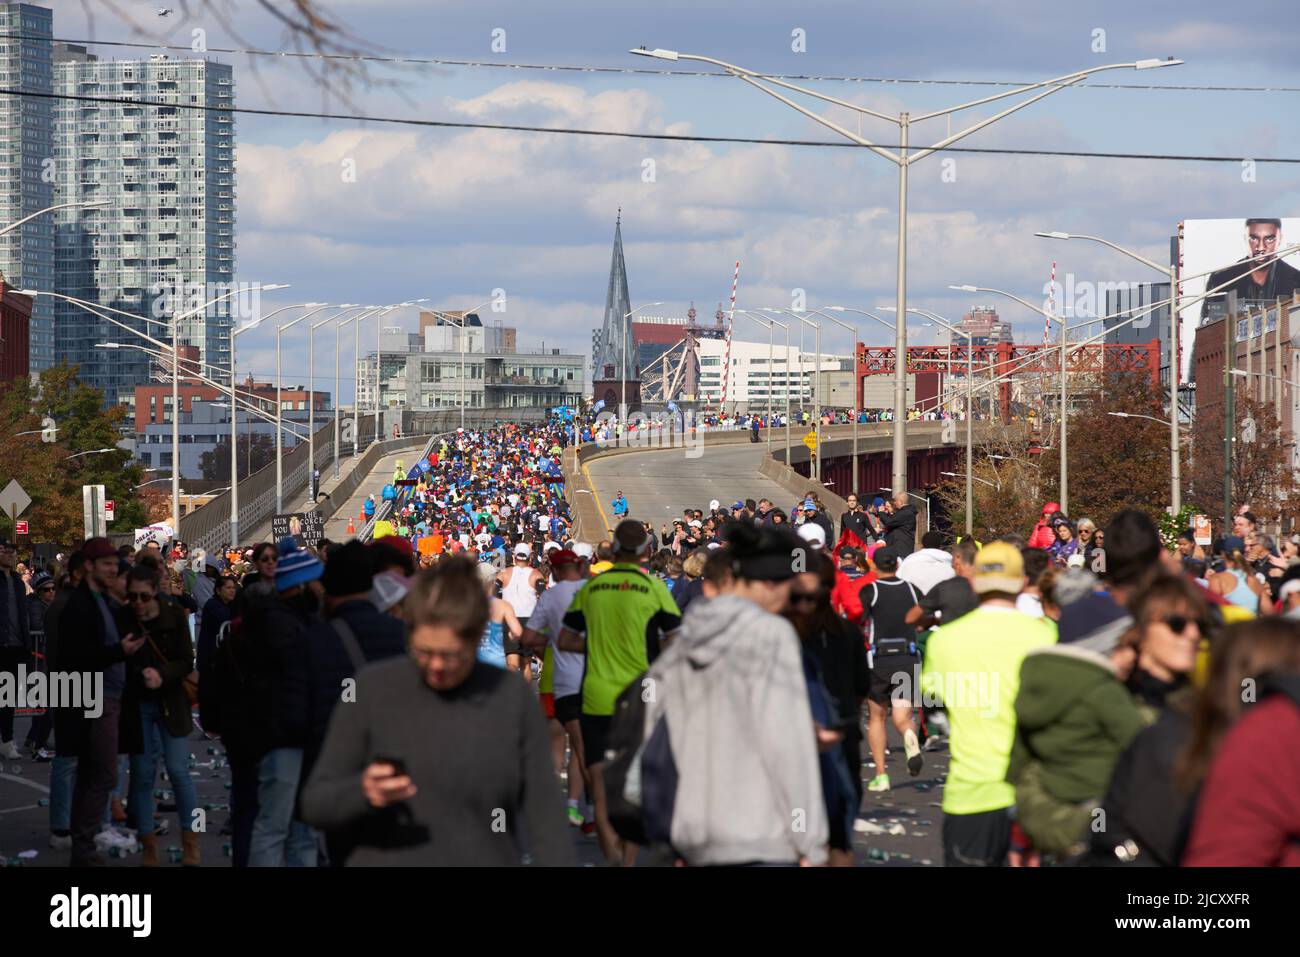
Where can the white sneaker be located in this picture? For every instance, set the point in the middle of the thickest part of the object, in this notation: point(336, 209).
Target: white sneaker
point(110, 838)
point(10, 751)
point(60, 842)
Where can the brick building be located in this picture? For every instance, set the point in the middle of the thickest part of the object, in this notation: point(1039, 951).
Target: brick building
point(15, 325)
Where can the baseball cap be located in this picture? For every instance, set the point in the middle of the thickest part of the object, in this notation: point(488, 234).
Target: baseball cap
point(999, 567)
point(523, 550)
point(738, 505)
point(713, 505)
point(563, 556)
point(584, 550)
point(1051, 507)
point(389, 588)
point(696, 523)
point(809, 503)
point(98, 548)
point(1289, 589)
point(813, 534)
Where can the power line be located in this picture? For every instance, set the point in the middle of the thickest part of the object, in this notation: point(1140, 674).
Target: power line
point(641, 71)
point(619, 134)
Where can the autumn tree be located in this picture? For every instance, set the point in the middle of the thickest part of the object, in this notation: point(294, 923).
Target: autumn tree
point(1262, 474)
point(51, 472)
point(1114, 463)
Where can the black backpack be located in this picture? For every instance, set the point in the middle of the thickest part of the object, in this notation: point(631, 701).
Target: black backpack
point(643, 812)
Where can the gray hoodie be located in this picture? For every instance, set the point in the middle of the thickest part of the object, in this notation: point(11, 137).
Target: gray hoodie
point(749, 782)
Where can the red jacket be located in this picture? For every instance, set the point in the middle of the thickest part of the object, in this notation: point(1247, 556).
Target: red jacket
point(1042, 536)
point(1249, 810)
point(846, 598)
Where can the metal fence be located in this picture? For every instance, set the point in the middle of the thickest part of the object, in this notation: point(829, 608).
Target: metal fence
point(208, 527)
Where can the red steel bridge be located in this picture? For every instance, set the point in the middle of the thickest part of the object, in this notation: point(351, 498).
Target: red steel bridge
point(1024, 361)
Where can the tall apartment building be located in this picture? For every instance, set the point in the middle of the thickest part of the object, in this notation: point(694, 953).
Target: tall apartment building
point(168, 174)
point(26, 165)
point(983, 324)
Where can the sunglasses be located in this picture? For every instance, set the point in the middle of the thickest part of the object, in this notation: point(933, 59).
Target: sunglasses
point(140, 596)
point(1178, 623)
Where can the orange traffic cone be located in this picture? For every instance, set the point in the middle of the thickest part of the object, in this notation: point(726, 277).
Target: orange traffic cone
point(352, 526)
point(361, 515)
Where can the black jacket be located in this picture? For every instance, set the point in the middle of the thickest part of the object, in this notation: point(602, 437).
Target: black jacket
point(327, 664)
point(81, 648)
point(254, 693)
point(1143, 803)
point(215, 614)
point(170, 637)
point(839, 650)
point(827, 526)
point(17, 592)
point(857, 523)
point(900, 530)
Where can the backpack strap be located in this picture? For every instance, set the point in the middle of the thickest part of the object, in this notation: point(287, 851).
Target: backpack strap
point(350, 643)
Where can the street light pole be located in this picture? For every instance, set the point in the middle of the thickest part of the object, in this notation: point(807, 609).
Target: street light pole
point(970, 390)
point(1065, 475)
point(623, 336)
point(815, 463)
point(1170, 272)
point(903, 159)
point(853, 486)
point(279, 401)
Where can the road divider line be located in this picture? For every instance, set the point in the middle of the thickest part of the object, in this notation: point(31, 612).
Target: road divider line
point(23, 781)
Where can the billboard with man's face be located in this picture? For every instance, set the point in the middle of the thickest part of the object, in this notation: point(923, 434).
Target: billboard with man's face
point(1235, 255)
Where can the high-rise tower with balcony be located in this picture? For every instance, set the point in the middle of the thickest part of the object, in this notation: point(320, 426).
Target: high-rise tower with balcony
point(26, 164)
point(165, 241)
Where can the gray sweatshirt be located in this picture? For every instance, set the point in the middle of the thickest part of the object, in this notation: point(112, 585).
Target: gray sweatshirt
point(749, 783)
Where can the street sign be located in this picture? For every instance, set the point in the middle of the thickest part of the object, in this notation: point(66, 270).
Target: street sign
point(20, 528)
point(108, 510)
point(810, 440)
point(14, 500)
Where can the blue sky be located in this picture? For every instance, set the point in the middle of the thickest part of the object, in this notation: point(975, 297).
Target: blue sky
point(451, 215)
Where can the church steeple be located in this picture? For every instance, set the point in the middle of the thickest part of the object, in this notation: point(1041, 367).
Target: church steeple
point(617, 328)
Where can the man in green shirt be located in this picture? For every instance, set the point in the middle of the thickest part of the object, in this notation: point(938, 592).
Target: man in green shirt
point(972, 667)
point(616, 619)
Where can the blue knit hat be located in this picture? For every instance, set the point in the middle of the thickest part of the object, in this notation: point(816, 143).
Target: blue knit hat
point(295, 566)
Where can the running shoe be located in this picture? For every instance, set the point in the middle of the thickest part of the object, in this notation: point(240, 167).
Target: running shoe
point(575, 816)
point(60, 842)
point(879, 783)
point(913, 749)
point(42, 755)
point(10, 751)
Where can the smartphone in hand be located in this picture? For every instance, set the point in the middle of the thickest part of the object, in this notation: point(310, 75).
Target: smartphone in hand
point(399, 766)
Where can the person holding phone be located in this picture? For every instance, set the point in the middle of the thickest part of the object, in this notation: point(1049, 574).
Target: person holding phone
point(442, 760)
point(160, 712)
point(90, 641)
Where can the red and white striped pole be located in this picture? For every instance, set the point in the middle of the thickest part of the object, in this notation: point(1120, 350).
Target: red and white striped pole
point(726, 361)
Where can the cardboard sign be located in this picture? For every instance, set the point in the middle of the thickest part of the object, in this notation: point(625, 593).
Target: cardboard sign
point(303, 527)
point(154, 533)
point(1201, 530)
point(384, 529)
